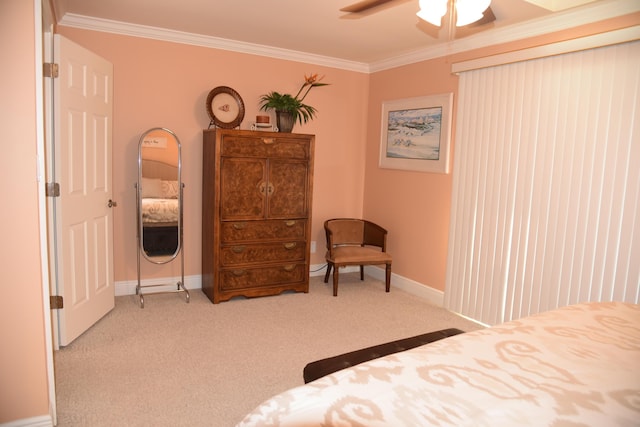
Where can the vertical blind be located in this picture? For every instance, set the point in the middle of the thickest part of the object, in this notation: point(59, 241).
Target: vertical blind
point(546, 186)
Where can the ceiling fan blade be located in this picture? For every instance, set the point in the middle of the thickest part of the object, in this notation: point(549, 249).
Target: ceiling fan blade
point(363, 5)
point(487, 17)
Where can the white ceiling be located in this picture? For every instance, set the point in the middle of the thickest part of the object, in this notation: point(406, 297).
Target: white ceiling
point(317, 28)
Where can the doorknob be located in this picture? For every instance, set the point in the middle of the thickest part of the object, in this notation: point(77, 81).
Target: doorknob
point(112, 204)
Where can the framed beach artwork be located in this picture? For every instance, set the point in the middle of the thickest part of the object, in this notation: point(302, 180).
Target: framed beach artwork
point(416, 132)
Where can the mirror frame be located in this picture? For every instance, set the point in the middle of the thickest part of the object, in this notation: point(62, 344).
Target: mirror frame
point(159, 259)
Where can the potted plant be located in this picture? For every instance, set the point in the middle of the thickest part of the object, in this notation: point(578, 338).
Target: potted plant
point(290, 109)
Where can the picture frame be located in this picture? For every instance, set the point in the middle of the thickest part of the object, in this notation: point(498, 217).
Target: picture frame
point(415, 133)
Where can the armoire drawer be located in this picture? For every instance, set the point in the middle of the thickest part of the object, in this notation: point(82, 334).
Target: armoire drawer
point(262, 253)
point(243, 278)
point(243, 231)
point(265, 145)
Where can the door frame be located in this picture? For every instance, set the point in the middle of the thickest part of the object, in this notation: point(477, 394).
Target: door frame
point(44, 34)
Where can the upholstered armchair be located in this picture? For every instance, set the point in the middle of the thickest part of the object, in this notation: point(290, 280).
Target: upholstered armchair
point(353, 241)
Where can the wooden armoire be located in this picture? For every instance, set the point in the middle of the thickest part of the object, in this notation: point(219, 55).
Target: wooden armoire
point(256, 213)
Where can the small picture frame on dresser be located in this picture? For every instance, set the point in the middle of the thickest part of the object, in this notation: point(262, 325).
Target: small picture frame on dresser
point(264, 127)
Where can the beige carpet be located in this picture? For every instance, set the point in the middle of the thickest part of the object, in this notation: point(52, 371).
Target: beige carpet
point(200, 364)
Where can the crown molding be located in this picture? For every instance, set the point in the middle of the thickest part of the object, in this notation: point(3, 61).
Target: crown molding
point(593, 12)
point(163, 34)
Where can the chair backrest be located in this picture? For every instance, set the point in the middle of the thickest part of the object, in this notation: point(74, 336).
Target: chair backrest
point(345, 231)
point(352, 231)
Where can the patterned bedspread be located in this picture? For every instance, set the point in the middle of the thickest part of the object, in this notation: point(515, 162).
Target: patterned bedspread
point(159, 210)
point(574, 366)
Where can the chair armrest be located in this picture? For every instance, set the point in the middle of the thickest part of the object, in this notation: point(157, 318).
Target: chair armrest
point(374, 235)
point(329, 239)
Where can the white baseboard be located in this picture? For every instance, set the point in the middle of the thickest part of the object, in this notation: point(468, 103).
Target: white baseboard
point(425, 292)
point(41, 421)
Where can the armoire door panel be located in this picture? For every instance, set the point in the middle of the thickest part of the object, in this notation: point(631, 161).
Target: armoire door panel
point(242, 188)
point(288, 197)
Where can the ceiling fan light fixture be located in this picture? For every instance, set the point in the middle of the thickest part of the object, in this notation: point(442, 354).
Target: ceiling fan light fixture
point(432, 11)
point(468, 11)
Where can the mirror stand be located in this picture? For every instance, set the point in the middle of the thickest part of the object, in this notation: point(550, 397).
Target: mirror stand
point(159, 207)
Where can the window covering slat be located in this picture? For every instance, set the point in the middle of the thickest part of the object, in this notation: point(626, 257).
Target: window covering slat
point(546, 193)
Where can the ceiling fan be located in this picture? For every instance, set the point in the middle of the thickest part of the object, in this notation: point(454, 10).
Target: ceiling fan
point(367, 5)
point(364, 5)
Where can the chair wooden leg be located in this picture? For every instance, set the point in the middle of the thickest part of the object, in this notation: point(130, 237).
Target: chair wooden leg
point(326, 275)
point(362, 272)
point(388, 277)
point(335, 280)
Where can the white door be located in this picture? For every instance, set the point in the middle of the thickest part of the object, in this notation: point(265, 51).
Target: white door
point(82, 214)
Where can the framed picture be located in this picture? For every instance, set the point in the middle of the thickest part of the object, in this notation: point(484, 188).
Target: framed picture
point(415, 133)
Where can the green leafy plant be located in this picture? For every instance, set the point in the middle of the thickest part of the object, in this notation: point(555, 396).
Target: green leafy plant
point(293, 104)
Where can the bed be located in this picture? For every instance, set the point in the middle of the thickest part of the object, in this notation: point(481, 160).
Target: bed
point(160, 207)
point(574, 366)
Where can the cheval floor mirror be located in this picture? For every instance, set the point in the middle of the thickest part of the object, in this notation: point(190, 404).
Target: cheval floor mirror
point(159, 196)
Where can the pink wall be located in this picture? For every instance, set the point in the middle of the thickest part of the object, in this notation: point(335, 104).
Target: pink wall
point(23, 375)
point(166, 84)
point(347, 132)
point(413, 206)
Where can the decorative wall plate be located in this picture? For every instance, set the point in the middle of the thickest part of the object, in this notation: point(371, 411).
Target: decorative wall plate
point(225, 107)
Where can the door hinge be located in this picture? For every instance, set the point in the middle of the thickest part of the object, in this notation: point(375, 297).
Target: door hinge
point(56, 302)
point(51, 69)
point(52, 189)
